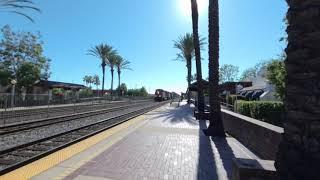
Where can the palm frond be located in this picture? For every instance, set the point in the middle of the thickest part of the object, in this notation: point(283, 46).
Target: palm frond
point(22, 14)
point(122, 63)
point(16, 6)
point(112, 58)
point(185, 46)
point(103, 52)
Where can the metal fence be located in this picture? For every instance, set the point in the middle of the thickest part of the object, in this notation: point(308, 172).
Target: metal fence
point(18, 108)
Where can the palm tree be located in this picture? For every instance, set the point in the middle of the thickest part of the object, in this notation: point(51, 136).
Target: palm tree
point(91, 81)
point(299, 151)
point(16, 6)
point(96, 81)
point(216, 127)
point(186, 53)
point(86, 80)
point(112, 60)
point(185, 45)
point(121, 64)
point(196, 42)
point(102, 51)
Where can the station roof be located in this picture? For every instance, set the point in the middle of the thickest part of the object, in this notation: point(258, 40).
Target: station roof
point(253, 88)
point(225, 85)
point(56, 84)
point(194, 86)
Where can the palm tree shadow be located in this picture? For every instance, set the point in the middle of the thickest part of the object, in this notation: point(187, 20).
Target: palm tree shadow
point(225, 153)
point(179, 114)
point(206, 162)
point(212, 150)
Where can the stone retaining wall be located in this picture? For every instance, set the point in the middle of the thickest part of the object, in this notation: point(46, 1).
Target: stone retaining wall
point(260, 137)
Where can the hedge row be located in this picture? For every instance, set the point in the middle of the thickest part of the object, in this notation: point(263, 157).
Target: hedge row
point(267, 111)
point(231, 99)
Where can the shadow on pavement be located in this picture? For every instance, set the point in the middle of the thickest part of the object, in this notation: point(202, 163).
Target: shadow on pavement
point(225, 153)
point(184, 113)
point(206, 163)
point(207, 167)
point(208, 160)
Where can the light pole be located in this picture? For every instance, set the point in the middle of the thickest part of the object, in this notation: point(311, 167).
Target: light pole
point(13, 82)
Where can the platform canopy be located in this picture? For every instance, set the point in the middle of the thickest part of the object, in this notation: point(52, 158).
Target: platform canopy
point(56, 84)
point(194, 86)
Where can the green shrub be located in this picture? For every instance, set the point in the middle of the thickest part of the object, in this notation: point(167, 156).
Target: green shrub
point(58, 91)
point(231, 99)
point(84, 93)
point(267, 111)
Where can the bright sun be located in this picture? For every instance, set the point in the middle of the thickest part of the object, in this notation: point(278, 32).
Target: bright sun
point(185, 6)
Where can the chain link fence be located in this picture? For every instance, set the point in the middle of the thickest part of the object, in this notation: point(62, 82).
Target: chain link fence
point(20, 108)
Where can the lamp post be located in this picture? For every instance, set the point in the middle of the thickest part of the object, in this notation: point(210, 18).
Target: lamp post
point(13, 82)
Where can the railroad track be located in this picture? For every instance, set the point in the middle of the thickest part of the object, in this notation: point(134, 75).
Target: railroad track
point(9, 117)
point(60, 119)
point(15, 157)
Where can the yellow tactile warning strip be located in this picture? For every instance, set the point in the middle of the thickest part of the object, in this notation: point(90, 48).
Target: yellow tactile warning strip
point(41, 165)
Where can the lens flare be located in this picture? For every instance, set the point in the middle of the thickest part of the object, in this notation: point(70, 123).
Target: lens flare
point(185, 7)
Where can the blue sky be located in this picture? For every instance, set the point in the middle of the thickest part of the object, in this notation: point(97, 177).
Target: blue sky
point(143, 32)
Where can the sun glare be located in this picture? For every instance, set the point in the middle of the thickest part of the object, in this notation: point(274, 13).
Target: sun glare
point(185, 7)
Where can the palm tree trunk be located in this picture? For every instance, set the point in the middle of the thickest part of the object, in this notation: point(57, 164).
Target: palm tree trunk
point(299, 151)
point(111, 81)
point(119, 83)
point(216, 127)
point(103, 74)
point(189, 77)
point(195, 15)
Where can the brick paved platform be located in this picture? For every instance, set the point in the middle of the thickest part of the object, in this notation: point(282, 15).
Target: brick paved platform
point(167, 144)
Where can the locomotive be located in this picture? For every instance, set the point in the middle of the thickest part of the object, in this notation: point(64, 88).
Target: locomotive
point(162, 95)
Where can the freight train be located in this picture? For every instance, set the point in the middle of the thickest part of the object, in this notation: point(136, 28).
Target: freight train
point(162, 95)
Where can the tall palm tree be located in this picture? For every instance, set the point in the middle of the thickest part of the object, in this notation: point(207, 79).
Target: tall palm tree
point(17, 6)
point(121, 64)
point(96, 80)
point(86, 80)
point(185, 45)
point(216, 127)
point(102, 51)
point(299, 151)
point(196, 42)
point(112, 60)
point(186, 53)
point(91, 81)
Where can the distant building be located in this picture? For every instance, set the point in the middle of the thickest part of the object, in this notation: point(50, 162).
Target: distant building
point(225, 88)
point(44, 87)
point(260, 83)
point(233, 87)
point(42, 91)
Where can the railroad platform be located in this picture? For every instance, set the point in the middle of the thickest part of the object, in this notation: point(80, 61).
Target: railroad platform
point(166, 143)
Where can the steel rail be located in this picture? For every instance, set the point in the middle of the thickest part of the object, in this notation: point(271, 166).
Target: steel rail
point(18, 127)
point(18, 156)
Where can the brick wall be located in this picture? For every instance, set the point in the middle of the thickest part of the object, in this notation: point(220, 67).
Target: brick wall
point(260, 137)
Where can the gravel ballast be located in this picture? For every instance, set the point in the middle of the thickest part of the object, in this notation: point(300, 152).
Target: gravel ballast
point(11, 140)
